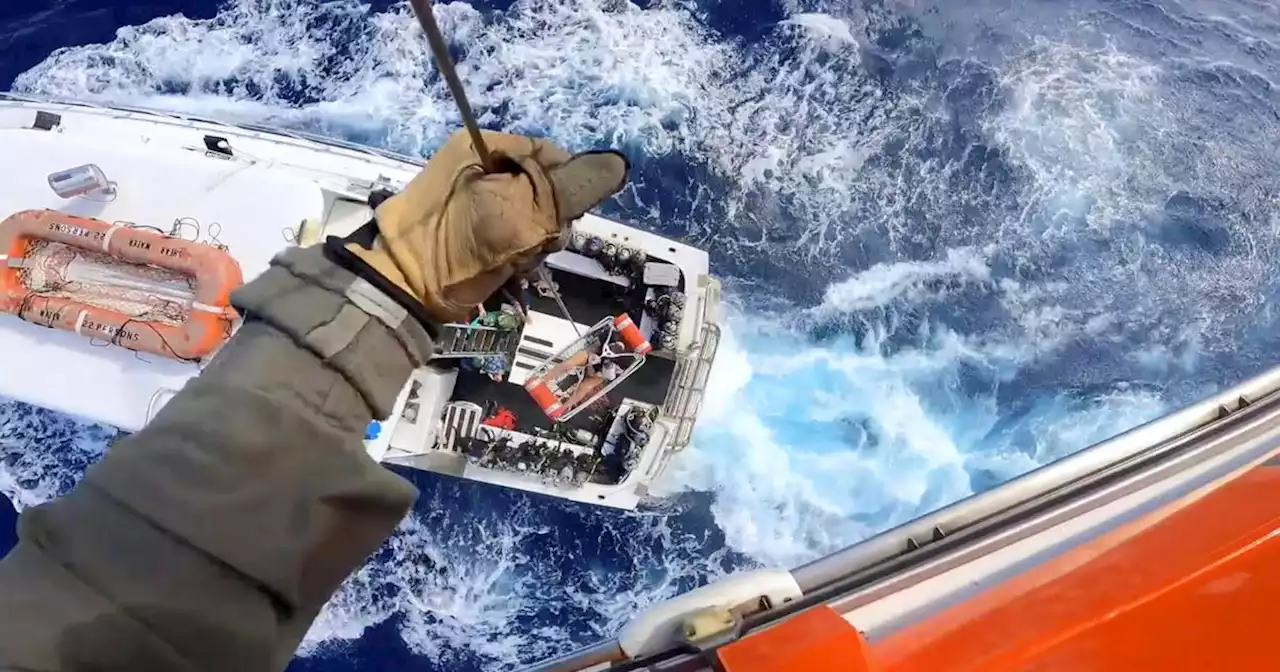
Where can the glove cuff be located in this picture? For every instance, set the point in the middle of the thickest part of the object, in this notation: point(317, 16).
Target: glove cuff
point(336, 250)
point(344, 319)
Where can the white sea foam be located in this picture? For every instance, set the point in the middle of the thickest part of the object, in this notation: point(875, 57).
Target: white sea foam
point(43, 454)
point(1081, 122)
point(836, 31)
point(810, 448)
point(886, 282)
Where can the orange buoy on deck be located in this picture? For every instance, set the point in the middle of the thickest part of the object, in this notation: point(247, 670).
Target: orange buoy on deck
point(631, 335)
point(207, 323)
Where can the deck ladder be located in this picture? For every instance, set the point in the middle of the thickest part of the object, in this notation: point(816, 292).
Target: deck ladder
point(467, 341)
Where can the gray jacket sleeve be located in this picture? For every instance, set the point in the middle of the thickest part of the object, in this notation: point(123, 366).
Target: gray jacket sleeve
point(210, 539)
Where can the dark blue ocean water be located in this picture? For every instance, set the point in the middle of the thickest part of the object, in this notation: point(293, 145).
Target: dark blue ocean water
point(959, 240)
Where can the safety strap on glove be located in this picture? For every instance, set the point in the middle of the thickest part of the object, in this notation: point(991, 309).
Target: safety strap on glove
point(456, 234)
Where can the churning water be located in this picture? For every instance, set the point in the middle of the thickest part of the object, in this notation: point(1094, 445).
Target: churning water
point(959, 240)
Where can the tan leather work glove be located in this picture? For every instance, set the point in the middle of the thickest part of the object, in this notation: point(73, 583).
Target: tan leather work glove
point(455, 235)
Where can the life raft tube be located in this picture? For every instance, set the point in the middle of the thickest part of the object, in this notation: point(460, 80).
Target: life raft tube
point(216, 274)
point(545, 397)
point(631, 335)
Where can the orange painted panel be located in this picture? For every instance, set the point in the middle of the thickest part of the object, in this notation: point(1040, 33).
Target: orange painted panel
point(816, 640)
point(1198, 589)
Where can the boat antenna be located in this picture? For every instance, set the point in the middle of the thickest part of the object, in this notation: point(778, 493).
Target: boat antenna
point(444, 63)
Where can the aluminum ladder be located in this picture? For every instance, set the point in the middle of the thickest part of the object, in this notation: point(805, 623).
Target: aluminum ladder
point(469, 341)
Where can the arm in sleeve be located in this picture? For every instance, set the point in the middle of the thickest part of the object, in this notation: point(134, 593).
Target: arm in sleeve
point(210, 539)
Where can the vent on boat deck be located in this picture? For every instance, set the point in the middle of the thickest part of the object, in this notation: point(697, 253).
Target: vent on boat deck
point(46, 121)
point(461, 422)
point(218, 145)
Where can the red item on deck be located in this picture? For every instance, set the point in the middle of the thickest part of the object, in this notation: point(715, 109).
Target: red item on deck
point(502, 418)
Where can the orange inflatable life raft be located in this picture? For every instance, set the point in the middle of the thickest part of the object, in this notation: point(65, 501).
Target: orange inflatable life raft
point(208, 322)
point(631, 335)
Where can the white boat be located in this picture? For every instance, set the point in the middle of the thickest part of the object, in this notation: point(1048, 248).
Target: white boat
point(252, 191)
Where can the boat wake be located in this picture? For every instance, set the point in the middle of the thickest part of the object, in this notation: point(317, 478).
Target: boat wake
point(952, 254)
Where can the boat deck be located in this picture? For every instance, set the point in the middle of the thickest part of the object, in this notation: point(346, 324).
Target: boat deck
point(215, 201)
point(590, 300)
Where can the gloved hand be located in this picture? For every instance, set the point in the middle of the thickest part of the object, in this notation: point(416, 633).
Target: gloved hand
point(455, 235)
